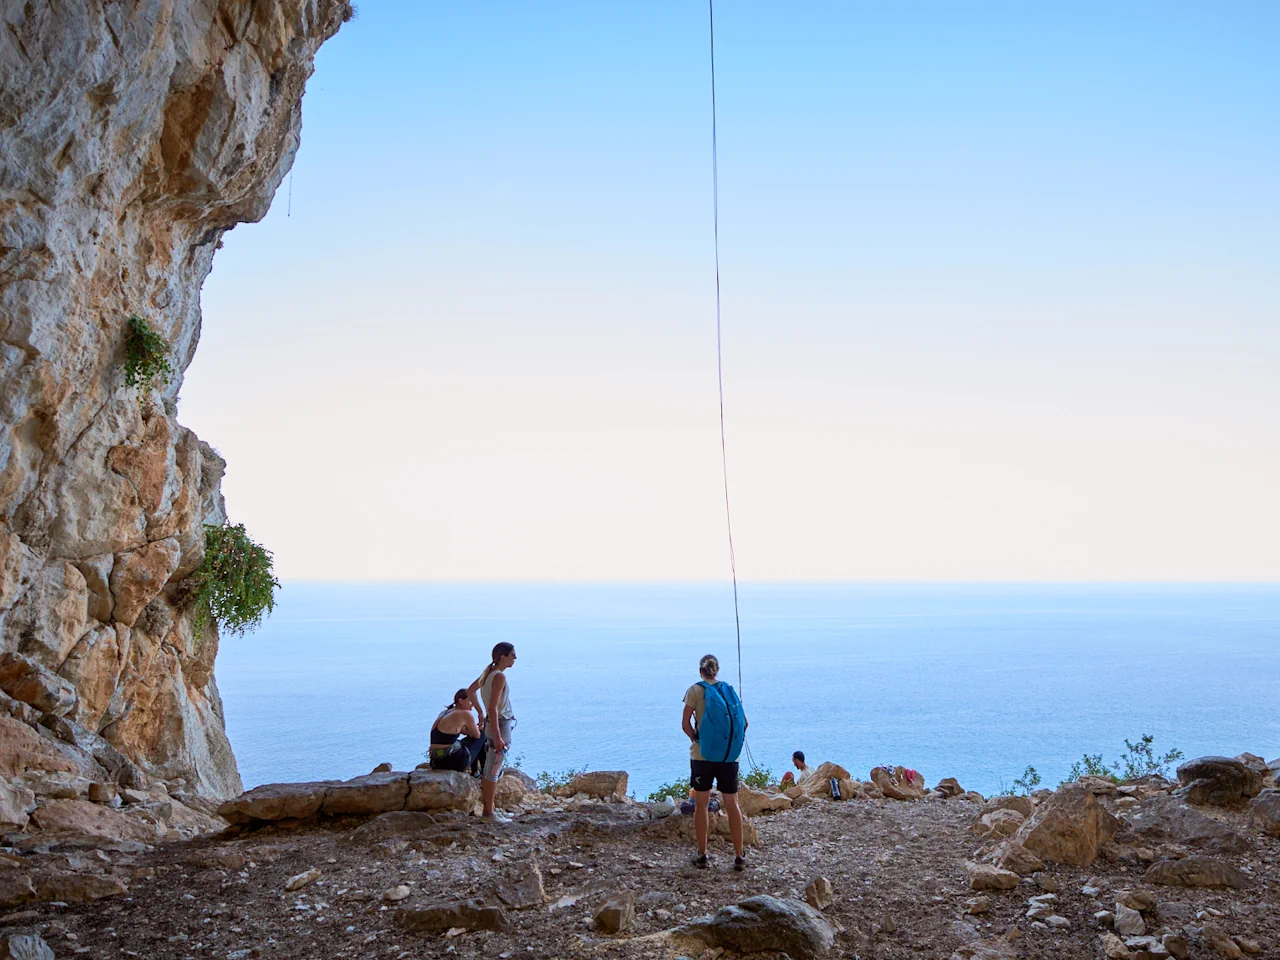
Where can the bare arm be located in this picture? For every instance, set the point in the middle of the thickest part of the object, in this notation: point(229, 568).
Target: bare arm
point(686, 723)
point(471, 695)
point(469, 727)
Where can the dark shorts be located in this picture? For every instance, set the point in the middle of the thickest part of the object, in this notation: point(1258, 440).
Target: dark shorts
point(725, 775)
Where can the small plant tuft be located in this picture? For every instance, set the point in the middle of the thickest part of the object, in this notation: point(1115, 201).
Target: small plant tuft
point(759, 778)
point(146, 356)
point(1138, 760)
point(234, 585)
point(549, 783)
point(677, 790)
point(1029, 780)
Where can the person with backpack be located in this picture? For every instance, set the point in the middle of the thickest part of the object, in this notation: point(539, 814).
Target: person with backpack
point(716, 726)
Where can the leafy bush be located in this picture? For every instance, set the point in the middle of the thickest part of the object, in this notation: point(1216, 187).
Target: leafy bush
point(146, 356)
point(1029, 780)
point(234, 584)
point(759, 778)
point(1138, 760)
point(551, 782)
point(677, 790)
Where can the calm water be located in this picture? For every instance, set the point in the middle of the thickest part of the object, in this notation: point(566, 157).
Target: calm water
point(955, 680)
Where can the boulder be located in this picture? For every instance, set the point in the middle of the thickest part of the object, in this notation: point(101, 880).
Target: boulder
point(1265, 811)
point(1128, 922)
point(1197, 872)
point(898, 783)
point(24, 946)
point(511, 790)
point(442, 790)
point(755, 802)
point(276, 801)
point(950, 786)
point(600, 784)
point(765, 923)
point(55, 885)
point(1024, 805)
point(999, 823)
point(984, 877)
point(461, 914)
point(617, 914)
point(28, 681)
point(15, 889)
point(818, 893)
point(1169, 820)
point(1216, 939)
point(1012, 855)
point(16, 804)
point(83, 819)
point(138, 576)
point(1217, 781)
point(522, 891)
point(1070, 826)
point(818, 784)
point(371, 794)
point(383, 768)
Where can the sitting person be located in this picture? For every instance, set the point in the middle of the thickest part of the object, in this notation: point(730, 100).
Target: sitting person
point(803, 770)
point(456, 740)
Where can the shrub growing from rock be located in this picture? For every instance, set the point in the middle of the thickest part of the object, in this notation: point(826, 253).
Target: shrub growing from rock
point(146, 356)
point(234, 586)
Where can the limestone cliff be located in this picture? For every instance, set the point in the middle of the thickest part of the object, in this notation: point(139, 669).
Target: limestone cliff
point(133, 134)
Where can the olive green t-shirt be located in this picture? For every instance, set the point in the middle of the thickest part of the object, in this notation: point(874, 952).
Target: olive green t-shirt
point(696, 697)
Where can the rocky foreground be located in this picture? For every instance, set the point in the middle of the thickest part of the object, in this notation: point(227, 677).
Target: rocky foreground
point(395, 864)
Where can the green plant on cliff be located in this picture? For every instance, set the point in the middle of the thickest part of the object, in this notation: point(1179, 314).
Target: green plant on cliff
point(1138, 760)
point(677, 790)
point(549, 782)
point(759, 778)
point(146, 356)
point(234, 585)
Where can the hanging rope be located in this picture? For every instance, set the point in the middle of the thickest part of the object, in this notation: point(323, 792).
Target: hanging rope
point(715, 220)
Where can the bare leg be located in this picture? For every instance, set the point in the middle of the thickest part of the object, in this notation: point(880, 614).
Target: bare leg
point(488, 789)
point(735, 822)
point(701, 818)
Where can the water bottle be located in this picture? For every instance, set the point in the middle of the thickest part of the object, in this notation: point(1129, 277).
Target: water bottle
point(835, 789)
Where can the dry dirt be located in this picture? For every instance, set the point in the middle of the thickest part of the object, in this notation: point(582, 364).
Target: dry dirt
point(896, 868)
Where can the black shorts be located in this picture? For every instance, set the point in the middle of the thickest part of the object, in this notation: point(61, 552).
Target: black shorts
point(725, 775)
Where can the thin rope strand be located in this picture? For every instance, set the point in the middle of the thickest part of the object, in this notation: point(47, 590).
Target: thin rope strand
point(715, 219)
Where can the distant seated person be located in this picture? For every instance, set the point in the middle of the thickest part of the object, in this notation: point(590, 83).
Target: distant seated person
point(688, 806)
point(803, 770)
point(456, 740)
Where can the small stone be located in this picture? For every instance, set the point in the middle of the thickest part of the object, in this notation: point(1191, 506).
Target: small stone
point(1140, 900)
point(977, 905)
point(381, 768)
point(617, 914)
point(303, 879)
point(1217, 940)
point(1104, 918)
point(1113, 947)
point(102, 792)
point(985, 877)
point(395, 894)
point(1090, 891)
point(1251, 947)
point(1176, 945)
point(1045, 882)
point(1128, 922)
point(28, 946)
point(819, 893)
point(1058, 923)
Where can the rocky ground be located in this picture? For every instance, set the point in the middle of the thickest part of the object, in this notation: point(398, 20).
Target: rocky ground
point(1099, 868)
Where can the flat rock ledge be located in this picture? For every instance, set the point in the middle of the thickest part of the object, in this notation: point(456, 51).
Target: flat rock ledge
point(374, 793)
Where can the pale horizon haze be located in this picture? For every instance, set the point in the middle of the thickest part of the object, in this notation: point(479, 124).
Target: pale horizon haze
point(1000, 297)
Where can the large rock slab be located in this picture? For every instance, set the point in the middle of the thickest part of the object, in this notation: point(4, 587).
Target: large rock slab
point(1265, 811)
point(371, 794)
point(276, 801)
point(1169, 819)
point(82, 819)
point(1197, 872)
point(1069, 827)
point(755, 802)
point(460, 914)
point(1217, 781)
point(442, 790)
point(765, 923)
point(24, 679)
point(139, 575)
point(600, 784)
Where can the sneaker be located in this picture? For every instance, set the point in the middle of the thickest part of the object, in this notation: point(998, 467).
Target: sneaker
point(495, 817)
point(701, 861)
point(739, 864)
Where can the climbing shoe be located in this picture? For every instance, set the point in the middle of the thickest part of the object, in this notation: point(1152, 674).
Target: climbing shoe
point(701, 861)
point(739, 864)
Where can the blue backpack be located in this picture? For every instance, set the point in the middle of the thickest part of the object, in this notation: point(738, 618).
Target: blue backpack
point(723, 726)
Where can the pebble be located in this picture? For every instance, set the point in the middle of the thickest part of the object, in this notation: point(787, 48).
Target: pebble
point(303, 879)
point(395, 894)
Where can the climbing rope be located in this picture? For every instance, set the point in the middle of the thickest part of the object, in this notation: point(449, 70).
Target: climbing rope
point(724, 456)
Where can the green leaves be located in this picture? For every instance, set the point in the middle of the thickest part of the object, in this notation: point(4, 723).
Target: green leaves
point(146, 356)
point(758, 778)
point(234, 585)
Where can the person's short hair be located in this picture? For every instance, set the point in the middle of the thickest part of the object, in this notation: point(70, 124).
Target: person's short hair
point(709, 666)
point(798, 755)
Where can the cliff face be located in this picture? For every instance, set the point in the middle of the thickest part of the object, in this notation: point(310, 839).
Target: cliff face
point(132, 136)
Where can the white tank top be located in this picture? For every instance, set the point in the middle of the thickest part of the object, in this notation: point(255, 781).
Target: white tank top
point(486, 691)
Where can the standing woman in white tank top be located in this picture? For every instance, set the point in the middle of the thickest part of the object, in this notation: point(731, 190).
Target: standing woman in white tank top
point(498, 722)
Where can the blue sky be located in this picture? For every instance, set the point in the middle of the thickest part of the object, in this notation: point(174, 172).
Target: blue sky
point(1000, 296)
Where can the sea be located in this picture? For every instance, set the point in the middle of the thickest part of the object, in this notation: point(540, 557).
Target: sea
point(971, 681)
